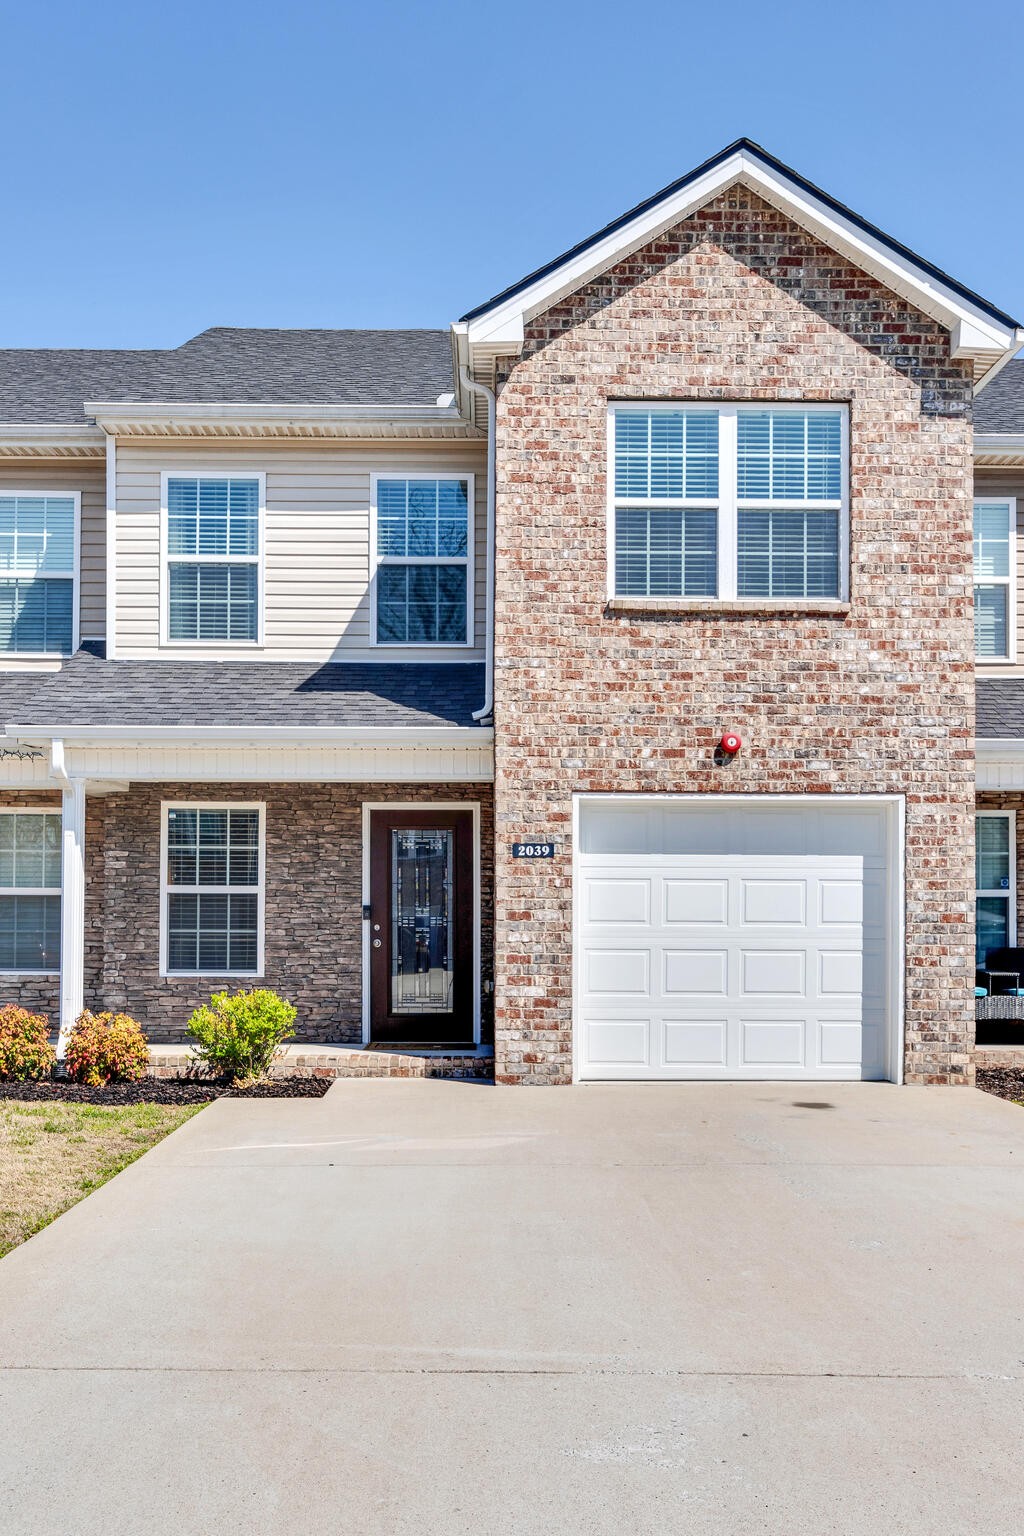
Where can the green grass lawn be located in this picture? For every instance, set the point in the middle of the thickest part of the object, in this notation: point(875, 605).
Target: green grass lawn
point(53, 1154)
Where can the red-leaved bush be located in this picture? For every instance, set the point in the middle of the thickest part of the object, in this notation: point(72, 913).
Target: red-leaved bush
point(25, 1049)
point(104, 1047)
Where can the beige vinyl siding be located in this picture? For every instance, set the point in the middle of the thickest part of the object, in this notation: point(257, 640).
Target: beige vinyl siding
point(1007, 482)
point(89, 477)
point(316, 543)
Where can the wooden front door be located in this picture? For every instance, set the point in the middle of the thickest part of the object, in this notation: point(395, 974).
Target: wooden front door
point(421, 926)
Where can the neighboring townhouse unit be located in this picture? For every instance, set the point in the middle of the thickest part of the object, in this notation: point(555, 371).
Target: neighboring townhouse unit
point(405, 671)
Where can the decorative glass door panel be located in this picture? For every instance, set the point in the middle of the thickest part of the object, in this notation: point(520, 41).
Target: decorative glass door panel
point(422, 951)
point(421, 926)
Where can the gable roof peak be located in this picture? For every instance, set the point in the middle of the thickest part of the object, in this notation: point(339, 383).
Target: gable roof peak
point(979, 330)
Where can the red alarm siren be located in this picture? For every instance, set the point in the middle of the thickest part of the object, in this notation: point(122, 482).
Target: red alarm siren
point(730, 743)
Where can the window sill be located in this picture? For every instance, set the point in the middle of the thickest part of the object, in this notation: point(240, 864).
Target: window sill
point(768, 606)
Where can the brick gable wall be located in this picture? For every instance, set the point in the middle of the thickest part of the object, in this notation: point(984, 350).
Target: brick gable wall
point(734, 304)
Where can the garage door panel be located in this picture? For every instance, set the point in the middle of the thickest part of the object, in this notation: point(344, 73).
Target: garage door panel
point(693, 971)
point(840, 973)
point(619, 1042)
point(618, 901)
point(765, 964)
point(774, 903)
point(616, 972)
point(695, 901)
point(772, 1042)
point(773, 973)
point(695, 1043)
point(841, 1042)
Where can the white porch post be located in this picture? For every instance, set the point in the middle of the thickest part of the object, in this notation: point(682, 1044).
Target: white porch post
point(72, 908)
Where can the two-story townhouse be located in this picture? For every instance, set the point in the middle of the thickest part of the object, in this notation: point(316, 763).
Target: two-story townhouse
point(614, 649)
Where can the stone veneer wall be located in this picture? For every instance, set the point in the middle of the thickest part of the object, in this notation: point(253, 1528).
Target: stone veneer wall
point(313, 899)
point(736, 303)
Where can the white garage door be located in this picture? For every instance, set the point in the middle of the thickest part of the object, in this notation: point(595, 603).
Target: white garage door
point(733, 941)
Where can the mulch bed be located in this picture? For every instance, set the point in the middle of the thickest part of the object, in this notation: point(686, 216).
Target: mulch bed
point(1004, 1082)
point(171, 1090)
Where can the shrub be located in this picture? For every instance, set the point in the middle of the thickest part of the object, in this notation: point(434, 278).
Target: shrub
point(25, 1049)
point(238, 1035)
point(104, 1047)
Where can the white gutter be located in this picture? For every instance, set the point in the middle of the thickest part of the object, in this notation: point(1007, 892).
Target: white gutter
point(999, 442)
point(274, 735)
point(487, 709)
point(999, 746)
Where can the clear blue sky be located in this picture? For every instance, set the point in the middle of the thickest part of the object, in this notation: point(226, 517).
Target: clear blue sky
point(169, 167)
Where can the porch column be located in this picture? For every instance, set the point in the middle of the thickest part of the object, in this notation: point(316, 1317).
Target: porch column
point(72, 908)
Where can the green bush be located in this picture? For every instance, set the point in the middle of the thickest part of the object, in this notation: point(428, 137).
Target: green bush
point(105, 1047)
point(25, 1049)
point(238, 1035)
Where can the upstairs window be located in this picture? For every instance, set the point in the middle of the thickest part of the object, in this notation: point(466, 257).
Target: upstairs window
point(994, 560)
point(38, 539)
point(423, 546)
point(729, 502)
point(213, 558)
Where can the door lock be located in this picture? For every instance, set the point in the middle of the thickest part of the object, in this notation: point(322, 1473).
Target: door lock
point(377, 943)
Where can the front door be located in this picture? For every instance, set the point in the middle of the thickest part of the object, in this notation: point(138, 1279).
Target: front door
point(421, 926)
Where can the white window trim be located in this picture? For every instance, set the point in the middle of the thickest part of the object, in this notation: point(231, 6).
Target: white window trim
point(75, 574)
point(728, 504)
point(376, 560)
point(1010, 894)
point(30, 890)
point(166, 889)
point(1009, 581)
point(167, 559)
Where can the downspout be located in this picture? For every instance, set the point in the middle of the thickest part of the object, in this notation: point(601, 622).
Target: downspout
point(481, 389)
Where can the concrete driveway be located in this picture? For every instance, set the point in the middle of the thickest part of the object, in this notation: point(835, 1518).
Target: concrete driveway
point(429, 1307)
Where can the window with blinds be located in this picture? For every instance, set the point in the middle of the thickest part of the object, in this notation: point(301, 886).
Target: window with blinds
point(994, 875)
point(423, 544)
point(30, 885)
point(730, 501)
point(37, 572)
point(212, 916)
point(994, 560)
point(212, 558)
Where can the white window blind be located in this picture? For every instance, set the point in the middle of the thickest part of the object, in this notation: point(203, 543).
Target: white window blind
point(30, 887)
point(37, 573)
point(729, 501)
point(993, 882)
point(213, 548)
point(994, 547)
point(213, 890)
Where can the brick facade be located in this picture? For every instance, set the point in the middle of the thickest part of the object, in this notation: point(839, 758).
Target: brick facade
point(736, 303)
point(313, 896)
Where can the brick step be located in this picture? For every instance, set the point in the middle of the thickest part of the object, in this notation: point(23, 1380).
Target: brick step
point(175, 1060)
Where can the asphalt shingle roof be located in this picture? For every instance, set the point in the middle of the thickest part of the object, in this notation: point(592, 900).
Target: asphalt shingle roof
point(226, 365)
point(1000, 706)
point(89, 690)
point(1000, 406)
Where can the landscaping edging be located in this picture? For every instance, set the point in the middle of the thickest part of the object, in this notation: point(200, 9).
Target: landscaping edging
point(164, 1091)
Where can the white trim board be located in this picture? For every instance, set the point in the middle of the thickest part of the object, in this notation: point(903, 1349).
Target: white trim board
point(473, 806)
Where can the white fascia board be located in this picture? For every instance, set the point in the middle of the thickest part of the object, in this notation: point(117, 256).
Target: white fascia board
point(275, 735)
point(106, 411)
point(999, 746)
point(976, 330)
point(1003, 443)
